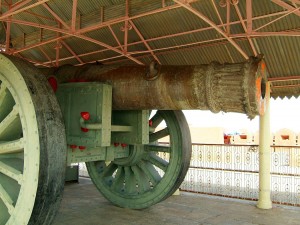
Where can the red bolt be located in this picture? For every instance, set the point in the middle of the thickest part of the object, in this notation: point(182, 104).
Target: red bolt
point(85, 130)
point(123, 145)
point(82, 148)
point(73, 147)
point(116, 144)
point(150, 123)
point(85, 115)
point(53, 83)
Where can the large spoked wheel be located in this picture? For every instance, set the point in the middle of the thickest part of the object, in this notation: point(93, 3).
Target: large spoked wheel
point(32, 146)
point(152, 172)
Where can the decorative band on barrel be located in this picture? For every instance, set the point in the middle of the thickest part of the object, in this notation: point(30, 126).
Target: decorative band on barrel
point(210, 88)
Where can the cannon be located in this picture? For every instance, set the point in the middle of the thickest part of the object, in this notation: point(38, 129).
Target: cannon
point(112, 118)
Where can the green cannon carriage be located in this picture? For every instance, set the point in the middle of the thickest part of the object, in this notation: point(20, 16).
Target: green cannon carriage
point(111, 118)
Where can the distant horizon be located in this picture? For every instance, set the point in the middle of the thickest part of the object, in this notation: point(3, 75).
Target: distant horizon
point(285, 114)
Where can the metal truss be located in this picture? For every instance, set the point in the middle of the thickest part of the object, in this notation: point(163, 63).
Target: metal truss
point(67, 29)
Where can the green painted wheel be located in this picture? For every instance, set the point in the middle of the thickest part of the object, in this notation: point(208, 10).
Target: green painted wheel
point(152, 172)
point(32, 146)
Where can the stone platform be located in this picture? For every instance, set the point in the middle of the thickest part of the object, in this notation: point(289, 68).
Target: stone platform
point(83, 205)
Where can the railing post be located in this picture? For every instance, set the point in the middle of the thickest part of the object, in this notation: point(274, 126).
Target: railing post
point(264, 199)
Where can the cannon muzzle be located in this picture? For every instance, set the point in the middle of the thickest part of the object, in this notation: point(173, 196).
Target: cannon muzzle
point(238, 87)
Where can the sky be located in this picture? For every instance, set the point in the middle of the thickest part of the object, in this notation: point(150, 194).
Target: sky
point(284, 114)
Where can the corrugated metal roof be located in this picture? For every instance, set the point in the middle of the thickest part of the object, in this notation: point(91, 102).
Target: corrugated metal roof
point(281, 55)
point(176, 36)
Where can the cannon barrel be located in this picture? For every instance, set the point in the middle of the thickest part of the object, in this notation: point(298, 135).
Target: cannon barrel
point(237, 87)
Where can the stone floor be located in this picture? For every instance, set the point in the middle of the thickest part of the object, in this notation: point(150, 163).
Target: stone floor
point(83, 205)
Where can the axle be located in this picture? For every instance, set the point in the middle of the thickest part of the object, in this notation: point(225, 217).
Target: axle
point(237, 87)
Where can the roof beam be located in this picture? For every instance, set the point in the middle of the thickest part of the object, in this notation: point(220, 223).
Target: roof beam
point(162, 37)
point(40, 16)
point(123, 19)
point(57, 49)
point(101, 14)
point(218, 14)
point(249, 16)
point(111, 22)
point(158, 38)
point(279, 18)
point(187, 47)
point(296, 1)
point(74, 11)
point(212, 24)
point(32, 61)
point(286, 86)
point(46, 55)
point(278, 79)
point(206, 43)
point(144, 41)
point(71, 51)
point(246, 29)
point(21, 4)
point(102, 24)
point(41, 43)
point(18, 5)
point(126, 26)
point(273, 34)
point(7, 14)
point(161, 51)
point(55, 16)
point(223, 26)
point(67, 32)
point(286, 6)
point(116, 38)
point(228, 17)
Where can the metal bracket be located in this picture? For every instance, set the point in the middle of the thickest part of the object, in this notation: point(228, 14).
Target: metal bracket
point(82, 99)
point(153, 72)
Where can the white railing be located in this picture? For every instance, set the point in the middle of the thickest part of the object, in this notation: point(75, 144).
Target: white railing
point(232, 171)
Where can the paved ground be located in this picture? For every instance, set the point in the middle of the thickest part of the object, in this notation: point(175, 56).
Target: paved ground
point(83, 205)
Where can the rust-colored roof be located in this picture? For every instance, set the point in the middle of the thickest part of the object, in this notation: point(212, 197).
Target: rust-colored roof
point(177, 32)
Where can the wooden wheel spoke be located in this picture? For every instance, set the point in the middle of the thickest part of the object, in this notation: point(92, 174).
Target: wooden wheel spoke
point(156, 120)
point(6, 199)
point(142, 181)
point(118, 182)
point(150, 172)
point(9, 119)
point(130, 182)
point(19, 155)
point(158, 135)
point(11, 172)
point(109, 170)
point(3, 92)
point(12, 146)
point(157, 148)
point(159, 162)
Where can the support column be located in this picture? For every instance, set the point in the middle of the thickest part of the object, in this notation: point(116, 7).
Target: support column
point(264, 199)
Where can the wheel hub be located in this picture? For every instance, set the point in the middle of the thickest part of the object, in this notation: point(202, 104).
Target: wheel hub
point(136, 153)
